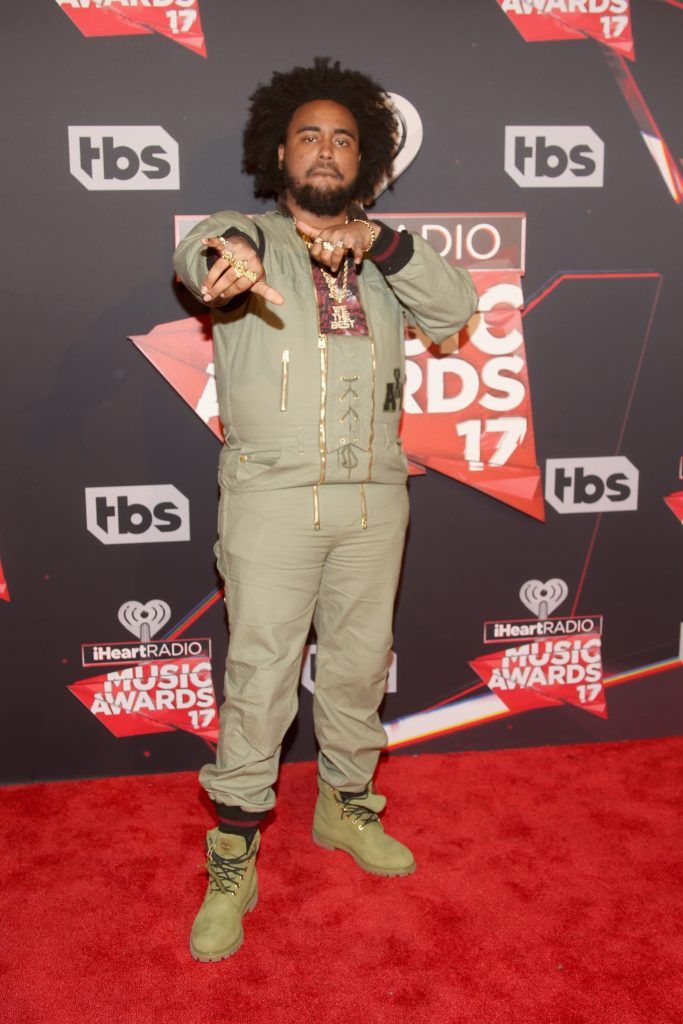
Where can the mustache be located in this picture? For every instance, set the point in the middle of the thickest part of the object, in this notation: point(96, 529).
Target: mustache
point(324, 167)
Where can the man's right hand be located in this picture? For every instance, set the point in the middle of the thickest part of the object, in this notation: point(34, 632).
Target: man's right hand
point(222, 283)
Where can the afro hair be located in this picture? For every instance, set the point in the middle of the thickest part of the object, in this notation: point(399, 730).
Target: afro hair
point(272, 106)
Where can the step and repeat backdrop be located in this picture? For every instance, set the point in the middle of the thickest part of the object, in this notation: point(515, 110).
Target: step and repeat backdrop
point(541, 598)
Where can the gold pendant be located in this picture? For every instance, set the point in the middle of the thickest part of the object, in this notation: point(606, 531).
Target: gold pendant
point(341, 320)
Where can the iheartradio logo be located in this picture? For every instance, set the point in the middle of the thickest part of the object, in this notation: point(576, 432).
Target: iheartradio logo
point(409, 140)
point(144, 620)
point(543, 598)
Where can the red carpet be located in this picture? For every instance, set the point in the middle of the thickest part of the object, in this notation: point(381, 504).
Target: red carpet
point(547, 890)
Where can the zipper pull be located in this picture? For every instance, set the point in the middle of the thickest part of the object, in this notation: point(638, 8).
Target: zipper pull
point(322, 341)
point(363, 508)
point(285, 380)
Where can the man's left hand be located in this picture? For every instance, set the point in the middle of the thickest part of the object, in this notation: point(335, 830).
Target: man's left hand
point(354, 237)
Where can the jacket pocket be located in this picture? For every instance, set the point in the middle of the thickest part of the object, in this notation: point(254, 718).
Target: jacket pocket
point(269, 457)
point(240, 465)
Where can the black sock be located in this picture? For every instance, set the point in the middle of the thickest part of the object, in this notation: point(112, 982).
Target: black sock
point(239, 830)
point(353, 796)
point(234, 821)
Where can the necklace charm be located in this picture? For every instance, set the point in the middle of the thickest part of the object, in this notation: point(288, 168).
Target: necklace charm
point(338, 290)
point(341, 319)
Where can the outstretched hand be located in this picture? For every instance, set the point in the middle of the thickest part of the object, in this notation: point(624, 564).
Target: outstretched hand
point(223, 282)
point(354, 237)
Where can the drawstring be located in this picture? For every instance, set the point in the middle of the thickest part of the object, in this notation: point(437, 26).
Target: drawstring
point(363, 508)
point(348, 458)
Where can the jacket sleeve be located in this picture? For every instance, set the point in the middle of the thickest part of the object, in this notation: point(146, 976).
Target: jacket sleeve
point(192, 259)
point(439, 298)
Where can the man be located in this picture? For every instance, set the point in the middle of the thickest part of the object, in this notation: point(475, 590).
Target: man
point(309, 303)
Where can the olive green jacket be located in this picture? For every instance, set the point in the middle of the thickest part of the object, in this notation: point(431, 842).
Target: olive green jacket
point(299, 407)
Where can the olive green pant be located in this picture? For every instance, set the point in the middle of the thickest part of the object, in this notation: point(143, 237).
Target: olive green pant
point(280, 575)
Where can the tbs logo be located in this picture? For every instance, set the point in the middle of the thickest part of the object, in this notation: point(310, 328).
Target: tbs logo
point(123, 157)
point(555, 156)
point(137, 515)
point(591, 485)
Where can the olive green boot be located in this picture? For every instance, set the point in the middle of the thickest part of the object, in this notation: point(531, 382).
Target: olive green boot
point(353, 826)
point(232, 892)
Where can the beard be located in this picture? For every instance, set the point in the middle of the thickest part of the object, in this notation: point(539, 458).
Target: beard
point(323, 202)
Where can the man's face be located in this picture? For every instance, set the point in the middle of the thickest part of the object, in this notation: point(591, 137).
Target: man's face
point(320, 157)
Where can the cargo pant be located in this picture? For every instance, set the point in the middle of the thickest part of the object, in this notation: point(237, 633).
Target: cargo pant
point(280, 575)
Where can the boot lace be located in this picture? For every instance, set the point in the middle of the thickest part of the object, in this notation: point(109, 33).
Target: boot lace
point(226, 874)
point(360, 816)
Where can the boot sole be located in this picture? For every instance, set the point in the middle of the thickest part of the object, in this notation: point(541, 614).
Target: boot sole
point(372, 869)
point(223, 954)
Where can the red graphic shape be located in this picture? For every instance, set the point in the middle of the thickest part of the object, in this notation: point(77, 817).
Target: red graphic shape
point(540, 21)
point(468, 414)
point(4, 589)
point(178, 21)
point(649, 130)
point(153, 696)
point(675, 503)
point(182, 352)
point(545, 673)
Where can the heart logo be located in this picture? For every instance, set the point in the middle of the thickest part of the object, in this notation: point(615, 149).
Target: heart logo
point(543, 598)
point(144, 620)
point(409, 138)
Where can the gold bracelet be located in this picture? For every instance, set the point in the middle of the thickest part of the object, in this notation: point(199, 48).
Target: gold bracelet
point(373, 233)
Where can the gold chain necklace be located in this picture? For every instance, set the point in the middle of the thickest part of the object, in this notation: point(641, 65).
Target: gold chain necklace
point(337, 291)
point(341, 318)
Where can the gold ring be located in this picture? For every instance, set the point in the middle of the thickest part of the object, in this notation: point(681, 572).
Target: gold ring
point(228, 255)
point(328, 246)
point(249, 274)
point(239, 266)
point(317, 240)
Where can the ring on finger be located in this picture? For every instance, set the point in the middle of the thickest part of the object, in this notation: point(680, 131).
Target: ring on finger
point(329, 247)
point(228, 255)
point(240, 267)
point(249, 274)
point(316, 241)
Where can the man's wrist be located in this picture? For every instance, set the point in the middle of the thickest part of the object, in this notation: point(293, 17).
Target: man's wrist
point(237, 233)
point(373, 232)
point(377, 229)
point(393, 251)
